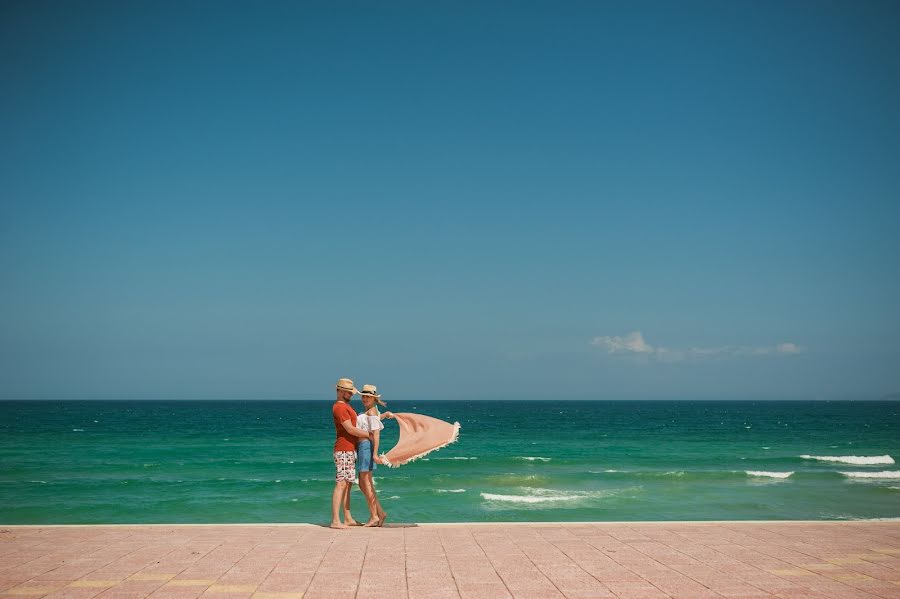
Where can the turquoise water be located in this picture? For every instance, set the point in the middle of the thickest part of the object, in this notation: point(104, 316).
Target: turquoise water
point(270, 461)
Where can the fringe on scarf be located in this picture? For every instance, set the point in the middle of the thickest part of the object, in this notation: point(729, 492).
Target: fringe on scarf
point(453, 439)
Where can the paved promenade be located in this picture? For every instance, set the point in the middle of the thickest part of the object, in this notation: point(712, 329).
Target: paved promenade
point(737, 560)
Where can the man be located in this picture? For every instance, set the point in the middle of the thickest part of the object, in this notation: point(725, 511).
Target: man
point(346, 434)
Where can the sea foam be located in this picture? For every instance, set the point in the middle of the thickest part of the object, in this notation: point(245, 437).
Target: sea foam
point(851, 459)
point(882, 474)
point(551, 495)
point(768, 474)
point(533, 458)
point(528, 498)
point(451, 490)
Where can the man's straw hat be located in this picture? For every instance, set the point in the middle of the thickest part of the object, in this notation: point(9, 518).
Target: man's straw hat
point(346, 385)
point(370, 390)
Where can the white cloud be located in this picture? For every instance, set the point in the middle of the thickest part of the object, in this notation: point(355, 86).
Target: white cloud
point(634, 344)
point(789, 348)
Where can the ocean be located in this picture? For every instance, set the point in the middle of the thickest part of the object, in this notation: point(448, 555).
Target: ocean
point(102, 462)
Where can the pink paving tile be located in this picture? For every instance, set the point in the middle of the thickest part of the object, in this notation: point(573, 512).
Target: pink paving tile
point(73, 593)
point(583, 593)
point(168, 592)
point(445, 592)
point(286, 582)
point(326, 594)
point(684, 559)
point(381, 594)
point(635, 590)
point(331, 584)
point(800, 594)
point(465, 586)
point(130, 588)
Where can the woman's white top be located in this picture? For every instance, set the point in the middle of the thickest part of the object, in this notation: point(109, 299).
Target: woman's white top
point(369, 423)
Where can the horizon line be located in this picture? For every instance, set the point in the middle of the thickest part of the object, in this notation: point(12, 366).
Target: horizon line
point(888, 397)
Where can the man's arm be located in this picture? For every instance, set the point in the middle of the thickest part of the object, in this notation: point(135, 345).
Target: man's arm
point(357, 432)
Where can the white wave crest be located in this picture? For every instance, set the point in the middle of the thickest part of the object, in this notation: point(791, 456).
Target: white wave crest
point(768, 474)
point(882, 474)
point(456, 458)
point(451, 490)
point(528, 498)
point(532, 495)
point(851, 459)
point(533, 458)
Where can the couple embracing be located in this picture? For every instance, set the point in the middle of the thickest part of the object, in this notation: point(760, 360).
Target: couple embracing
point(356, 447)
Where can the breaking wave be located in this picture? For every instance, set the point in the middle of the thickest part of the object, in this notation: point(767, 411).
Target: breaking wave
point(768, 474)
point(539, 496)
point(851, 459)
point(882, 474)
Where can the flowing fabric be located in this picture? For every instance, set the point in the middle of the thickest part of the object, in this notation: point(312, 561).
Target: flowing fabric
point(419, 436)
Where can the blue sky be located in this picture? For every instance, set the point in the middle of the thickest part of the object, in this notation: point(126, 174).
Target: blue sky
point(450, 200)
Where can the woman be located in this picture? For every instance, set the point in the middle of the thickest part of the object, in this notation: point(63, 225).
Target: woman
point(367, 451)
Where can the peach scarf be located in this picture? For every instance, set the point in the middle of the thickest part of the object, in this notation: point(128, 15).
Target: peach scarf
point(419, 436)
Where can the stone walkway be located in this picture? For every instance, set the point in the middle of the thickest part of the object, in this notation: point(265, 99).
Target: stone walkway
point(689, 560)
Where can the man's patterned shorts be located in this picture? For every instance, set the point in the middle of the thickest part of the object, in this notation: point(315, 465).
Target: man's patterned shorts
point(345, 464)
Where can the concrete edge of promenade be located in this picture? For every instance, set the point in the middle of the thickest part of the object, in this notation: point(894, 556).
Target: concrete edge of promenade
point(534, 523)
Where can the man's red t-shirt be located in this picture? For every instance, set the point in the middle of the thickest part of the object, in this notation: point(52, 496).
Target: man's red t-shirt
point(342, 411)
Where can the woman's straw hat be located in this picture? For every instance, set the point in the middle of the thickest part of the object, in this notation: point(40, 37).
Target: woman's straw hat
point(371, 390)
point(346, 385)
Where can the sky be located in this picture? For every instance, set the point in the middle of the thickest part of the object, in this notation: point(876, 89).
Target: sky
point(450, 200)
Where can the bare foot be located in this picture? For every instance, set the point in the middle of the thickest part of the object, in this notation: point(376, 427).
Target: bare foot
point(349, 521)
point(372, 522)
point(382, 519)
point(338, 525)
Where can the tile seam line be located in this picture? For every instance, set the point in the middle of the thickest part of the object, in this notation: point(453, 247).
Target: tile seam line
point(405, 571)
point(791, 566)
point(176, 548)
point(812, 557)
point(535, 566)
point(701, 562)
point(319, 564)
point(580, 567)
point(493, 567)
point(625, 566)
point(114, 560)
point(236, 565)
point(287, 551)
point(449, 567)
